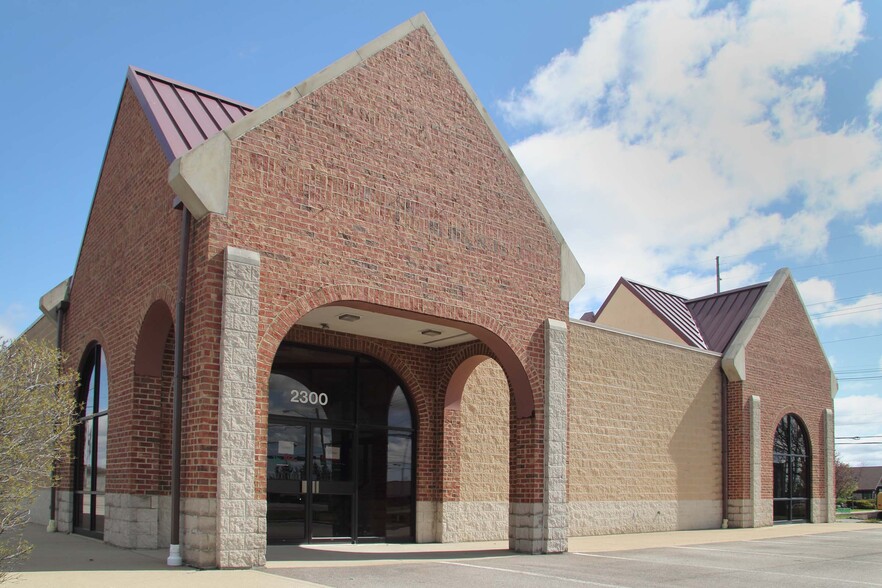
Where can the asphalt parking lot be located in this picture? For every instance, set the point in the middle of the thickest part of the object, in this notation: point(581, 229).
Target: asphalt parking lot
point(827, 559)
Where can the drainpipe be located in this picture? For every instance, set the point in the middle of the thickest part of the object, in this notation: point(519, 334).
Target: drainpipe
point(174, 548)
point(724, 425)
point(53, 524)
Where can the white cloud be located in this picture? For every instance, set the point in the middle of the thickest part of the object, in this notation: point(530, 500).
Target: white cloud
point(871, 234)
point(819, 296)
point(817, 293)
point(866, 311)
point(859, 415)
point(874, 99)
point(689, 133)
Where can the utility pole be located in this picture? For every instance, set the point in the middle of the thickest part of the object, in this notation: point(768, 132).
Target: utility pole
point(718, 274)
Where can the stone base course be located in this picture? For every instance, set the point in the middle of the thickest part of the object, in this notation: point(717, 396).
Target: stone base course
point(639, 516)
point(199, 532)
point(427, 521)
point(474, 521)
point(137, 521)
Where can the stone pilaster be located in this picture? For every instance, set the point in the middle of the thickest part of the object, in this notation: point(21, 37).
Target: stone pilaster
point(241, 533)
point(556, 517)
point(829, 515)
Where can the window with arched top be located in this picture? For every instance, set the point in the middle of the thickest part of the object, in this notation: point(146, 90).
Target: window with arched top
point(792, 471)
point(90, 466)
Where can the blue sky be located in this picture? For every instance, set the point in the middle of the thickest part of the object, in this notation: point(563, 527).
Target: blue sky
point(658, 134)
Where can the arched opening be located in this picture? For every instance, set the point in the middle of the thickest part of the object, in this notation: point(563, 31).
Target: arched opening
point(340, 449)
point(792, 471)
point(477, 429)
point(90, 455)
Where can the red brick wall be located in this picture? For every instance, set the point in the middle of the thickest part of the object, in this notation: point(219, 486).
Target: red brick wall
point(128, 260)
point(787, 369)
point(386, 186)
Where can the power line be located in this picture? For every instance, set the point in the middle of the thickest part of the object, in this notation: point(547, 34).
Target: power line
point(852, 338)
point(859, 379)
point(869, 269)
point(843, 299)
point(862, 443)
point(860, 437)
point(836, 261)
point(847, 311)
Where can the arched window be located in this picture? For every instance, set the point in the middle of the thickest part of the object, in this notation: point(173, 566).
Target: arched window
point(792, 471)
point(90, 471)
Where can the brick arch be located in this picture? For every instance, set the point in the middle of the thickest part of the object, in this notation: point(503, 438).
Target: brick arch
point(492, 332)
point(85, 343)
point(156, 324)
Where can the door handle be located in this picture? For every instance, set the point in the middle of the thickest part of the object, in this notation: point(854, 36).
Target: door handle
point(303, 487)
point(315, 487)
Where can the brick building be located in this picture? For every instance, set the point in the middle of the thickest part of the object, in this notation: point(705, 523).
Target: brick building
point(343, 315)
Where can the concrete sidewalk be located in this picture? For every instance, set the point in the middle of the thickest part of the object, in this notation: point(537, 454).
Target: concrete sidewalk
point(72, 561)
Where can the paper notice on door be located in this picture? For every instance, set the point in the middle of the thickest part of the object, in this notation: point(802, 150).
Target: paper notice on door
point(286, 447)
point(332, 452)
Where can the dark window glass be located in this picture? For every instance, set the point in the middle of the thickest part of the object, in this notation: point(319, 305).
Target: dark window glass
point(318, 384)
point(340, 449)
point(399, 410)
point(91, 446)
point(792, 470)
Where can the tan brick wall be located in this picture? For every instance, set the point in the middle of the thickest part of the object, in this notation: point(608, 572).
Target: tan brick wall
point(644, 428)
point(485, 410)
point(625, 311)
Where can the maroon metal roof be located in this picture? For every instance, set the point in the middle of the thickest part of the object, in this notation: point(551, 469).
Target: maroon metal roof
point(671, 309)
point(719, 316)
point(182, 116)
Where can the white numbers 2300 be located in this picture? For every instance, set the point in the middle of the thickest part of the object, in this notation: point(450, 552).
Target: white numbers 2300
point(307, 397)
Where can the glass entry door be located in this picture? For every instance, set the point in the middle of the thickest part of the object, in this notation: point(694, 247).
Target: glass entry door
point(310, 483)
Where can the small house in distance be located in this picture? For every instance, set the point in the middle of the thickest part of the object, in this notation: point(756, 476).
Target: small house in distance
point(869, 482)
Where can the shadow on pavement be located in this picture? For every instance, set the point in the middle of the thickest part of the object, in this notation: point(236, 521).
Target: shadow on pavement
point(56, 552)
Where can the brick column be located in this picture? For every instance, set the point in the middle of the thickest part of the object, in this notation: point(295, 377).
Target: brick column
point(756, 461)
point(241, 520)
point(543, 527)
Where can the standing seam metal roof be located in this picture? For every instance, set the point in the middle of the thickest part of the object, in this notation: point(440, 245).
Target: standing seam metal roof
point(671, 309)
point(719, 316)
point(182, 116)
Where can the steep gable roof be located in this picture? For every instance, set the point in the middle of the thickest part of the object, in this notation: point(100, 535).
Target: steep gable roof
point(670, 308)
point(719, 316)
point(868, 478)
point(182, 116)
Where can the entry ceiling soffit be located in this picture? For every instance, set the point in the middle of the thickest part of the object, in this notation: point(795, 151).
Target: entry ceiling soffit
point(381, 326)
point(200, 177)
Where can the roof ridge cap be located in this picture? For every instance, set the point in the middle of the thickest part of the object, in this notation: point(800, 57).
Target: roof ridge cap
point(146, 73)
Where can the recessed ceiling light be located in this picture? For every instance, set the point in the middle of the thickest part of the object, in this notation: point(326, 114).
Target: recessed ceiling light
point(430, 332)
point(349, 318)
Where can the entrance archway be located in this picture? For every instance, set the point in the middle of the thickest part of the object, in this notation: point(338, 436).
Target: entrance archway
point(792, 473)
point(340, 449)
